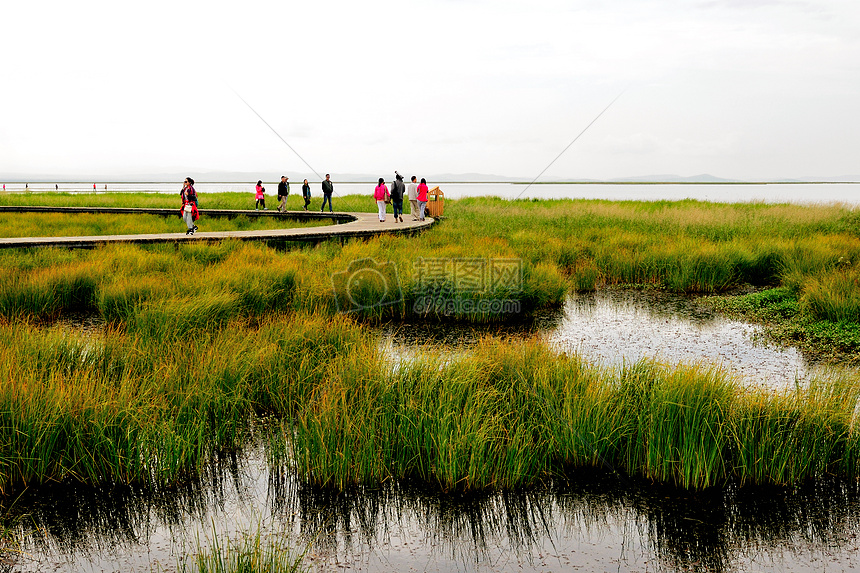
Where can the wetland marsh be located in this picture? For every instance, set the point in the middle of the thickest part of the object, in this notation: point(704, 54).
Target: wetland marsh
point(240, 352)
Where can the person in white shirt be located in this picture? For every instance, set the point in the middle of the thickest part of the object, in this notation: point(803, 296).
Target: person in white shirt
point(412, 193)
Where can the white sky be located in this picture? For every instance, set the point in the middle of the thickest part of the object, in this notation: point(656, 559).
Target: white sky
point(747, 89)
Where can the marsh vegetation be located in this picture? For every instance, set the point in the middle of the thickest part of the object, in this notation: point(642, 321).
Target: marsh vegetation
point(199, 343)
point(199, 339)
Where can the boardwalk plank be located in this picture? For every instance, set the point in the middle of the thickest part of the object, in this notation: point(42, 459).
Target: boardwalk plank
point(347, 225)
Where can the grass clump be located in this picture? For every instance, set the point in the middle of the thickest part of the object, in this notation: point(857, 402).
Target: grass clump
point(47, 292)
point(149, 407)
point(134, 407)
point(251, 553)
point(800, 318)
point(512, 414)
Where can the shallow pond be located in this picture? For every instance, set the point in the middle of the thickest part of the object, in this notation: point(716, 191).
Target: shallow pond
point(598, 520)
point(614, 327)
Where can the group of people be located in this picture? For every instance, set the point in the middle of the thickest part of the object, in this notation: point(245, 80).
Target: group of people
point(284, 192)
point(415, 192)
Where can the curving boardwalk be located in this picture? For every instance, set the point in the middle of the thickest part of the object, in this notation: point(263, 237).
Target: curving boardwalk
point(347, 225)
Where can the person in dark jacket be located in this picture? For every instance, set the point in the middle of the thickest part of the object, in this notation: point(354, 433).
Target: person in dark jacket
point(306, 193)
point(327, 189)
point(397, 191)
point(283, 193)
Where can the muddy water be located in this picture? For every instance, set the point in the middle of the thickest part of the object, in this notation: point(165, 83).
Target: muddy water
point(598, 520)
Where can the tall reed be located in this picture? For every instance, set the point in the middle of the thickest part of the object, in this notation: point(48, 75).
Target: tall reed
point(202, 337)
point(684, 246)
point(834, 295)
point(148, 405)
point(511, 414)
point(141, 407)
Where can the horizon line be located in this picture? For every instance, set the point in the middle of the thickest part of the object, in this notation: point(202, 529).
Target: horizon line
point(631, 181)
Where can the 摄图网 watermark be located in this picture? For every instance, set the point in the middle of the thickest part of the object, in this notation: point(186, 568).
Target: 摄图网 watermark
point(441, 285)
point(462, 286)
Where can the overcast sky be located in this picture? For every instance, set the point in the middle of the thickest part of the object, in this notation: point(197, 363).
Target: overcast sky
point(745, 89)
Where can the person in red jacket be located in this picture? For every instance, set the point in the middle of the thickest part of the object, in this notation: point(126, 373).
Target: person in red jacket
point(422, 198)
point(189, 205)
point(260, 196)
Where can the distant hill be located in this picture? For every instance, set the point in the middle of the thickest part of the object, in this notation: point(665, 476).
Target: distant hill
point(703, 178)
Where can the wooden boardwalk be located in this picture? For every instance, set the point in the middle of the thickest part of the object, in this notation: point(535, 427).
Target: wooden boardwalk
point(347, 225)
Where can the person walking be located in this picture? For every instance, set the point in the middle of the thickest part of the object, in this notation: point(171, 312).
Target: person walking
point(283, 193)
point(306, 193)
point(260, 196)
point(412, 193)
point(398, 189)
point(328, 190)
point(188, 189)
point(189, 206)
point(380, 193)
point(422, 198)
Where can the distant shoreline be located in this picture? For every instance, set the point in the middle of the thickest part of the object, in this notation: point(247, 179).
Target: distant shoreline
point(716, 183)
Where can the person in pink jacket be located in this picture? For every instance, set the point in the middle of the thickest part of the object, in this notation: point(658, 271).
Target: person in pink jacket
point(380, 193)
point(422, 198)
point(260, 196)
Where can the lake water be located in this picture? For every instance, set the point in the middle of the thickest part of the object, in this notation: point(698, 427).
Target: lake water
point(820, 193)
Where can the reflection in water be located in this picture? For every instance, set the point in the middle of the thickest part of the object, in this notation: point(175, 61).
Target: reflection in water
point(597, 520)
point(85, 527)
point(616, 326)
point(598, 517)
point(80, 323)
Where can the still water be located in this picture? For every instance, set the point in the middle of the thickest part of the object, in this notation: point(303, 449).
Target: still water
point(596, 521)
point(811, 193)
point(614, 327)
